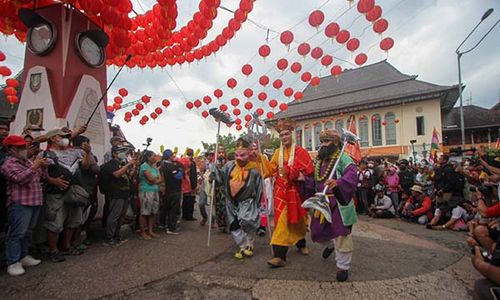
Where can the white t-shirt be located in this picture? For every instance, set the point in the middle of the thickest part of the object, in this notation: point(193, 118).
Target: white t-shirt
point(456, 213)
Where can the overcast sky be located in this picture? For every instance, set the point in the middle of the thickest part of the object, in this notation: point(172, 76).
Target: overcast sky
point(426, 34)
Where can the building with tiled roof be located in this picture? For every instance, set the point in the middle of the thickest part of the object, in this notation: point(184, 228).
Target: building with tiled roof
point(389, 109)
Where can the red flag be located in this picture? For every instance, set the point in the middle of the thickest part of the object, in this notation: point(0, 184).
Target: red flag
point(354, 150)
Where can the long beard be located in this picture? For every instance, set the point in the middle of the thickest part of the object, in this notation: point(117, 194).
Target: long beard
point(326, 151)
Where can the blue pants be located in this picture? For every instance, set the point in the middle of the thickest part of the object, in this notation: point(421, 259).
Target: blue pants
point(22, 220)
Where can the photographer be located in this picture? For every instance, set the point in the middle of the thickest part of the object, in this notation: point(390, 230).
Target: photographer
point(114, 174)
point(172, 172)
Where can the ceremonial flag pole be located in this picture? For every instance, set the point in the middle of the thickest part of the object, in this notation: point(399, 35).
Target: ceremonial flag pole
point(219, 117)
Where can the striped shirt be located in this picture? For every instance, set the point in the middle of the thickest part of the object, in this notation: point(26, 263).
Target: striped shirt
point(23, 182)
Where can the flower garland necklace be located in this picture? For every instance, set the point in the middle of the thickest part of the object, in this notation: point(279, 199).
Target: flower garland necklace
point(317, 167)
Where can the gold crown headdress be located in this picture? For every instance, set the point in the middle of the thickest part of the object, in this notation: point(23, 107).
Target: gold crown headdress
point(242, 144)
point(285, 124)
point(328, 135)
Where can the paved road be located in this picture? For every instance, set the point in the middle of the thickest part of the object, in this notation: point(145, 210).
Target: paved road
point(392, 260)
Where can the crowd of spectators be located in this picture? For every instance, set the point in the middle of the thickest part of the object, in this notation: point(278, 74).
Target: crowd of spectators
point(451, 194)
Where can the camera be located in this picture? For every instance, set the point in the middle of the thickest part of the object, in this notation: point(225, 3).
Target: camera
point(149, 140)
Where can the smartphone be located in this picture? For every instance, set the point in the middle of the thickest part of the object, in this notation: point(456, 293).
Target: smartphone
point(485, 254)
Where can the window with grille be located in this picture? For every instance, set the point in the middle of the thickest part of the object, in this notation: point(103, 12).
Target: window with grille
point(420, 126)
point(376, 130)
point(390, 129)
point(363, 132)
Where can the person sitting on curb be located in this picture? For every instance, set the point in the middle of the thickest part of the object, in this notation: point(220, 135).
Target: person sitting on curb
point(382, 208)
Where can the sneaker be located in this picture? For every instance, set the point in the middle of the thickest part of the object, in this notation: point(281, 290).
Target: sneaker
point(161, 226)
point(29, 261)
point(261, 231)
point(327, 252)
point(110, 243)
point(56, 257)
point(172, 232)
point(342, 275)
point(15, 269)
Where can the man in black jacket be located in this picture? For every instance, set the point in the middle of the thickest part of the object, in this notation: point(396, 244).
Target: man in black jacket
point(188, 199)
point(172, 173)
point(447, 180)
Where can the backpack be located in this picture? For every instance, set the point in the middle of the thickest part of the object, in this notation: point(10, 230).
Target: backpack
point(103, 180)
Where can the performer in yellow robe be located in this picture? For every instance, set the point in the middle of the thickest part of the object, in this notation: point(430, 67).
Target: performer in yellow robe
point(289, 164)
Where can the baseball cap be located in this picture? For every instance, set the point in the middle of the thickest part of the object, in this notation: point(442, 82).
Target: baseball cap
point(55, 132)
point(14, 140)
point(167, 154)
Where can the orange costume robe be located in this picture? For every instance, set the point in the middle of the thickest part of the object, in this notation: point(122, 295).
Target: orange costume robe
point(290, 219)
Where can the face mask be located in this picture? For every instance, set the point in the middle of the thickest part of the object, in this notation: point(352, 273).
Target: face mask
point(122, 157)
point(64, 142)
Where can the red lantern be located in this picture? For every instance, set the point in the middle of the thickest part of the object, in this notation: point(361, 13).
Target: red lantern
point(270, 115)
point(336, 70)
point(223, 107)
point(123, 92)
point(384, 123)
point(283, 107)
point(236, 111)
point(145, 99)
point(323, 121)
point(197, 103)
point(12, 82)
point(189, 105)
point(248, 118)
point(341, 114)
point(364, 6)
point(109, 108)
point(135, 112)
point(248, 105)
point(282, 64)
point(361, 59)
point(264, 51)
point(239, 127)
point(286, 37)
point(158, 110)
point(248, 93)
point(2, 56)
point(5, 71)
point(298, 95)
point(259, 111)
point(273, 103)
point(207, 100)
point(296, 67)
point(315, 81)
point(128, 115)
point(142, 122)
point(380, 26)
point(374, 118)
point(304, 49)
point(10, 91)
point(117, 106)
point(165, 102)
point(127, 119)
point(396, 121)
point(352, 45)
point(277, 84)
point(374, 14)
point(139, 106)
point(326, 60)
point(218, 93)
point(237, 121)
point(231, 83)
point(235, 102)
point(153, 116)
point(118, 100)
point(264, 80)
point(343, 36)
point(332, 30)
point(262, 96)
point(204, 114)
point(316, 18)
point(306, 76)
point(316, 53)
point(386, 44)
point(288, 92)
point(332, 118)
point(246, 69)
